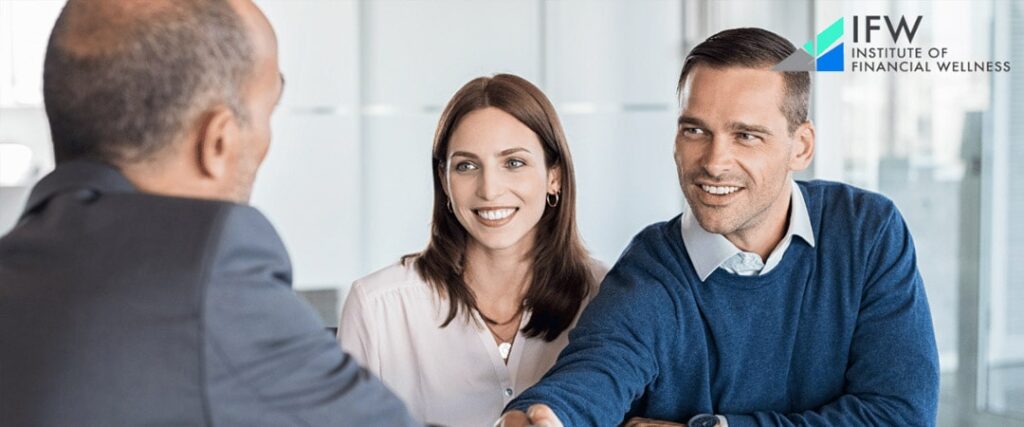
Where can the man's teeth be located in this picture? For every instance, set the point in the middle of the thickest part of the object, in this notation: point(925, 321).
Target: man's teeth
point(714, 189)
point(495, 214)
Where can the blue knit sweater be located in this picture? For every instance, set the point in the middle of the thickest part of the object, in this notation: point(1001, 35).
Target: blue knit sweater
point(837, 334)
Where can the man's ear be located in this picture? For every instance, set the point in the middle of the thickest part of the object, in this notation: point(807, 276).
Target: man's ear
point(803, 147)
point(218, 143)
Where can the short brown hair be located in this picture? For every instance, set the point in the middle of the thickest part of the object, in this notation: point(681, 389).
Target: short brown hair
point(754, 48)
point(561, 274)
point(127, 99)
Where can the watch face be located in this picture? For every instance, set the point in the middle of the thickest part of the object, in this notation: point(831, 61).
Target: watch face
point(704, 421)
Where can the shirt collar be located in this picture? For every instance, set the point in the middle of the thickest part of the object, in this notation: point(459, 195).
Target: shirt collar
point(799, 218)
point(708, 250)
point(74, 175)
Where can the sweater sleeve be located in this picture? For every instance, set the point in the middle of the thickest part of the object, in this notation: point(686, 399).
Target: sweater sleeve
point(610, 359)
point(893, 374)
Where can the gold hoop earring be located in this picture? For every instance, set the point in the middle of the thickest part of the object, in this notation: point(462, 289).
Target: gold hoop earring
point(449, 204)
point(548, 199)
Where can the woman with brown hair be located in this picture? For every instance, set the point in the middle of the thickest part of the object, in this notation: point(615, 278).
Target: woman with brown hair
point(481, 314)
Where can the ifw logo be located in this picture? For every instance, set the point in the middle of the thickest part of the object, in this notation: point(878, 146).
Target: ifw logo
point(818, 54)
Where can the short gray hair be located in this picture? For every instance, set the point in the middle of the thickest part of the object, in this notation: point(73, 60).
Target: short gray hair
point(125, 100)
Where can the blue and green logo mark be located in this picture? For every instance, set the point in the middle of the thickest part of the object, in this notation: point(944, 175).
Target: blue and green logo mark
point(818, 54)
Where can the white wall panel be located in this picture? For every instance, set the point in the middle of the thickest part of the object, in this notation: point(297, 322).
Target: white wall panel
point(613, 51)
point(419, 52)
point(318, 48)
point(625, 174)
point(309, 186)
point(398, 186)
point(309, 189)
point(30, 26)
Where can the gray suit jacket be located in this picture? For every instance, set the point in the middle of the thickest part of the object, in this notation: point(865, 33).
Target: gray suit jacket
point(124, 308)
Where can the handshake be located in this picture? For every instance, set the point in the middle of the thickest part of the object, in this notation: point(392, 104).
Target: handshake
point(536, 415)
point(542, 416)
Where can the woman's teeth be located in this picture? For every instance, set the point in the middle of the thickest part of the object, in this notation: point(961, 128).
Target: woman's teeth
point(495, 214)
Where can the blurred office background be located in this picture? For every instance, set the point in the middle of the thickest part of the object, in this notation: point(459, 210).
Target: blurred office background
point(347, 181)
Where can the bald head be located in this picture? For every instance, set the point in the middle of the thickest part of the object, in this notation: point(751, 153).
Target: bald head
point(91, 28)
point(125, 79)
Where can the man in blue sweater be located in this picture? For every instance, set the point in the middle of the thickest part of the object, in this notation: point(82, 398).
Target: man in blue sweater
point(768, 301)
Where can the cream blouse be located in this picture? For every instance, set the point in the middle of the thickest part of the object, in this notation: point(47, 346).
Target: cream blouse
point(451, 376)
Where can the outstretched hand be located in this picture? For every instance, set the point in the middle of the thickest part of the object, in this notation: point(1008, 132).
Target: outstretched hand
point(537, 415)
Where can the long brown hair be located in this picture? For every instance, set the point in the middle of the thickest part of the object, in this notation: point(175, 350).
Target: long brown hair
point(561, 276)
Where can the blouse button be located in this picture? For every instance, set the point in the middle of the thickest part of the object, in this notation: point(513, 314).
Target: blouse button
point(508, 392)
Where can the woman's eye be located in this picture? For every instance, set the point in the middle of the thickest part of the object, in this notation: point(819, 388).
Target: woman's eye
point(515, 163)
point(465, 167)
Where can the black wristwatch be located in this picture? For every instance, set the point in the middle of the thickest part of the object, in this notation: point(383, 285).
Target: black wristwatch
point(704, 420)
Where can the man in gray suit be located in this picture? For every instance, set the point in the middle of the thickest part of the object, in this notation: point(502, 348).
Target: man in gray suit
point(138, 288)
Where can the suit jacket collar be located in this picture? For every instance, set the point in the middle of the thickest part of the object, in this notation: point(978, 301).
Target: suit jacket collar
point(92, 176)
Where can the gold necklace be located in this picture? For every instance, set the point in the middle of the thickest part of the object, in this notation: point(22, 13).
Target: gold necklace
point(504, 344)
